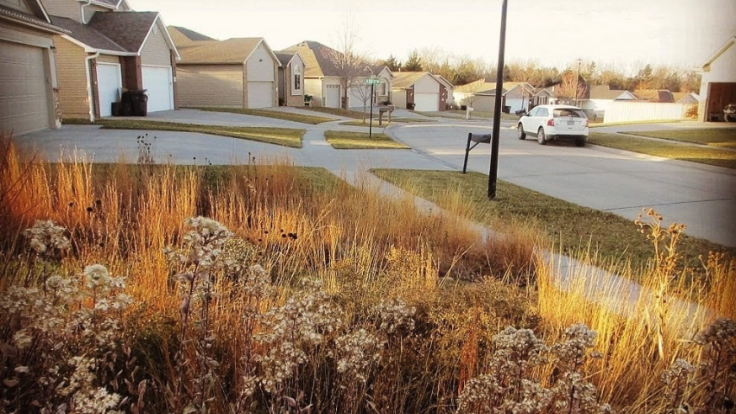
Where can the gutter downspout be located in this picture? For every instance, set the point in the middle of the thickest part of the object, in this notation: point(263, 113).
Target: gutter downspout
point(89, 85)
point(81, 10)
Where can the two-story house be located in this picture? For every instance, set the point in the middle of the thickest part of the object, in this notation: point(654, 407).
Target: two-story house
point(27, 71)
point(107, 48)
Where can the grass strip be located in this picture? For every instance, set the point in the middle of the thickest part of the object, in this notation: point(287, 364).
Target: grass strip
point(608, 124)
point(286, 137)
point(568, 225)
point(360, 140)
point(702, 155)
point(286, 116)
point(717, 137)
point(347, 113)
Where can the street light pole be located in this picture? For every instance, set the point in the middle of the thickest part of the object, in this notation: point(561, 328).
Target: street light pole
point(370, 123)
point(493, 173)
point(577, 83)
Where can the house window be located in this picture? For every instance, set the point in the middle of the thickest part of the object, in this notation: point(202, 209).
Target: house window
point(382, 89)
point(297, 78)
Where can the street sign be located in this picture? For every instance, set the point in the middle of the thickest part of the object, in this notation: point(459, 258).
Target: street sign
point(372, 81)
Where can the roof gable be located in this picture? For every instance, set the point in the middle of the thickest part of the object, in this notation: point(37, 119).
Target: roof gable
point(230, 51)
point(655, 95)
point(127, 29)
point(183, 37)
point(38, 19)
point(84, 35)
point(404, 80)
point(729, 43)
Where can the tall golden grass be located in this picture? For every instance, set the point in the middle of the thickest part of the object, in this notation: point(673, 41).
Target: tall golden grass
point(300, 223)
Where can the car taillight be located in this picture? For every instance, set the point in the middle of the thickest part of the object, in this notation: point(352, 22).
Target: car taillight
point(551, 122)
point(585, 123)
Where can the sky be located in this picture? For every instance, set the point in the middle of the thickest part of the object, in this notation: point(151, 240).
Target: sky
point(625, 34)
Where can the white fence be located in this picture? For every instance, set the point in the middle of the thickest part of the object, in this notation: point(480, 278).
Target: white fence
point(620, 111)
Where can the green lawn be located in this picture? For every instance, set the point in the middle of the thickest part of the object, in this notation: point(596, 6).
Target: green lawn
point(360, 140)
point(717, 137)
point(280, 136)
point(568, 225)
point(286, 116)
point(710, 156)
point(459, 113)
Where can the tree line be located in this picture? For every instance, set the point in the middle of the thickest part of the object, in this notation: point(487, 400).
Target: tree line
point(461, 70)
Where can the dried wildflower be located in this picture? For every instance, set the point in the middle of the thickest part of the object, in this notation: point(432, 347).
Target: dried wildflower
point(356, 352)
point(46, 238)
point(395, 315)
point(574, 348)
point(676, 380)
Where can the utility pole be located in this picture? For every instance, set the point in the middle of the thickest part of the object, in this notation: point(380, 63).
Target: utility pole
point(493, 173)
point(370, 123)
point(577, 83)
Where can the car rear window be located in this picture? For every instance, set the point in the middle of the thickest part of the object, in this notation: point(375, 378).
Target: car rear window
point(573, 113)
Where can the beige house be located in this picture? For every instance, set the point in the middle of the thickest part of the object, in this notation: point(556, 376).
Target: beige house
point(718, 84)
point(420, 91)
point(28, 80)
point(516, 97)
point(108, 48)
point(291, 79)
point(241, 73)
point(323, 80)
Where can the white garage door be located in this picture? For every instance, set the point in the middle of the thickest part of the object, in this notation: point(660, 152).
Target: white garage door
point(260, 95)
point(358, 94)
point(427, 102)
point(109, 84)
point(24, 100)
point(159, 87)
point(332, 96)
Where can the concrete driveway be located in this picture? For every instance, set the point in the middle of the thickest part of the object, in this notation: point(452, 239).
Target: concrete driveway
point(700, 196)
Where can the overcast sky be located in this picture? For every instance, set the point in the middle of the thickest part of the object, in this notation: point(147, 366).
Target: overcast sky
point(626, 33)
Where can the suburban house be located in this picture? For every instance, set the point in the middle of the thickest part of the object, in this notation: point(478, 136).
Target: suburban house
point(598, 98)
point(108, 48)
point(291, 79)
point(543, 96)
point(325, 82)
point(239, 72)
point(420, 91)
point(481, 96)
point(686, 97)
point(718, 82)
point(655, 95)
point(449, 90)
point(28, 81)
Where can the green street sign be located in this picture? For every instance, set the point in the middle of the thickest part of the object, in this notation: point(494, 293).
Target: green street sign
point(372, 81)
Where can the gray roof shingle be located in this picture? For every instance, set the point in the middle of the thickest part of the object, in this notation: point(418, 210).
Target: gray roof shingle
point(127, 29)
point(28, 18)
point(87, 35)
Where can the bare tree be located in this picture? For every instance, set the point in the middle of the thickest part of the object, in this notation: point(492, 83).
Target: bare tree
point(364, 93)
point(570, 87)
point(348, 59)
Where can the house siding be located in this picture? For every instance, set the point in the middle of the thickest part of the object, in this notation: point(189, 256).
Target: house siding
point(71, 9)
point(90, 11)
point(261, 65)
point(293, 98)
point(426, 84)
point(722, 70)
point(72, 74)
point(156, 51)
point(108, 59)
point(210, 85)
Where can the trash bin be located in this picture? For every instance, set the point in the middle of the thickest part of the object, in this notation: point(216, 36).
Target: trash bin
point(139, 100)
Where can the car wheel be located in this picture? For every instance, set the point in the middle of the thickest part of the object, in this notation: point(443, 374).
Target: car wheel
point(541, 138)
point(580, 142)
point(520, 130)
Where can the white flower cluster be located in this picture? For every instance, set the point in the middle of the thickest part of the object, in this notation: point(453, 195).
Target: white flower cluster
point(46, 237)
point(86, 398)
point(356, 352)
point(577, 340)
point(292, 328)
point(676, 380)
point(206, 240)
point(508, 387)
point(395, 315)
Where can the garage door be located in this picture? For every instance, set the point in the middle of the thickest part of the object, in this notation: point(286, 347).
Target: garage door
point(332, 96)
point(109, 84)
point(260, 94)
point(24, 100)
point(427, 102)
point(359, 94)
point(159, 87)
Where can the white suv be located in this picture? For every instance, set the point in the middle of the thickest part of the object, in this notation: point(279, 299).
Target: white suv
point(555, 122)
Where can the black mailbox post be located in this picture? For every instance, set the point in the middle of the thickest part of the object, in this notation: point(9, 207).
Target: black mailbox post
point(477, 139)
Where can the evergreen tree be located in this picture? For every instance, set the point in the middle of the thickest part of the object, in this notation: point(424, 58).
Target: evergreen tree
point(414, 63)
